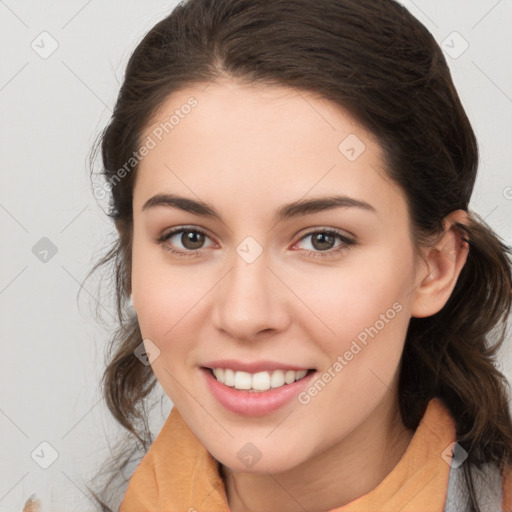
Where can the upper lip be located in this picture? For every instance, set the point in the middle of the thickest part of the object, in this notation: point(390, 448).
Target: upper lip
point(253, 366)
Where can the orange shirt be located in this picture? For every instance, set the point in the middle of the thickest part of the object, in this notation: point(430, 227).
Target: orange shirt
point(178, 474)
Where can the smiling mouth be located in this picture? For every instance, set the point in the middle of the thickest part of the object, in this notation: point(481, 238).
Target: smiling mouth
point(257, 382)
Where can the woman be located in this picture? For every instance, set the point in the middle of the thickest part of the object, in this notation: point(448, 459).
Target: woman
point(290, 183)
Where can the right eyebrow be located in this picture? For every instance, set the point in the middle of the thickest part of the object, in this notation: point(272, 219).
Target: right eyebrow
point(183, 203)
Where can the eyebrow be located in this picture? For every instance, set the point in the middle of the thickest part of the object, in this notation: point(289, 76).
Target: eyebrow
point(287, 211)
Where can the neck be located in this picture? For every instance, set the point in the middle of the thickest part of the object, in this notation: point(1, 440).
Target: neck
point(360, 461)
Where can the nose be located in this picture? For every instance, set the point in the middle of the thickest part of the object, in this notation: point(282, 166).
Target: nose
point(250, 301)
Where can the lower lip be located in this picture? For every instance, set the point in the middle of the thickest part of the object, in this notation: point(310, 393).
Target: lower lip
point(258, 403)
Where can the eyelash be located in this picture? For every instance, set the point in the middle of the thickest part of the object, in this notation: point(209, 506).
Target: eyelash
point(345, 244)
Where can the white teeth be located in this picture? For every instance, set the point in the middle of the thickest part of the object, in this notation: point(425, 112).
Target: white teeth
point(242, 380)
point(261, 381)
point(277, 379)
point(289, 377)
point(229, 377)
point(219, 374)
point(300, 374)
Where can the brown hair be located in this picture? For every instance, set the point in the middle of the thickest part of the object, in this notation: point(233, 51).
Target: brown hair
point(380, 64)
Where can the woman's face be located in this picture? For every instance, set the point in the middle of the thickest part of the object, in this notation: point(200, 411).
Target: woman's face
point(265, 287)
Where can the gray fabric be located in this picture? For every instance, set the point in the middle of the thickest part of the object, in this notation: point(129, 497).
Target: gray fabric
point(487, 483)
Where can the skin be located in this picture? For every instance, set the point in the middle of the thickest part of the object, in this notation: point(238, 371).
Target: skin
point(247, 150)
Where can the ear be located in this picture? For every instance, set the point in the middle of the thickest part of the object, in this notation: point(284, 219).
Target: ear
point(440, 268)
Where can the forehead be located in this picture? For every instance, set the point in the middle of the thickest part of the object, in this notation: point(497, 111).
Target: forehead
point(260, 142)
point(253, 111)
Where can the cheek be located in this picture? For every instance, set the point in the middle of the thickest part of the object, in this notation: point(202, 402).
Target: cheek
point(370, 312)
point(370, 290)
point(163, 293)
point(168, 301)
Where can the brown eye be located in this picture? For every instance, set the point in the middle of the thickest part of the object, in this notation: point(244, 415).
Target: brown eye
point(322, 241)
point(185, 241)
point(325, 243)
point(192, 239)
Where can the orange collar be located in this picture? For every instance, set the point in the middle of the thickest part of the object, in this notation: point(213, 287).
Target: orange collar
point(178, 474)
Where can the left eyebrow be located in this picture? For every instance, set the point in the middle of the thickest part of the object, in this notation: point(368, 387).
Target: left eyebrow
point(320, 204)
point(287, 211)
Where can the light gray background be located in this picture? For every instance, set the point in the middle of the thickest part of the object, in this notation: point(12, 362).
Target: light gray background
point(53, 107)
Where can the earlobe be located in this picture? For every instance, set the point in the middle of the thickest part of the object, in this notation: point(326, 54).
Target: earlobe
point(442, 266)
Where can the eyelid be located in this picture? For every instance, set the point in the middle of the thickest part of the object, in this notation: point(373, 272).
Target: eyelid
point(314, 229)
point(301, 234)
point(185, 227)
point(163, 240)
point(346, 242)
point(346, 239)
